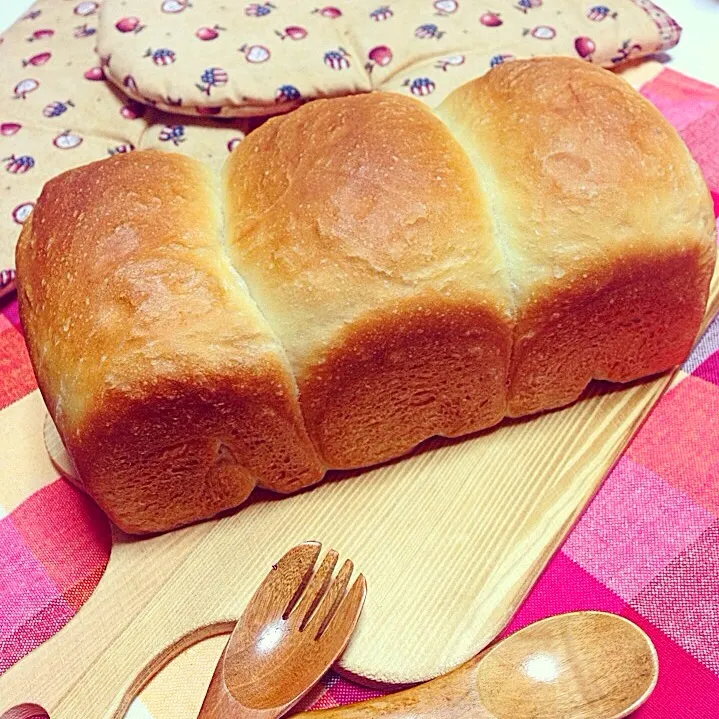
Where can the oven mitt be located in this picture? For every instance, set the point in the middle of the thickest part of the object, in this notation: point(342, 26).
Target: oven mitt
point(57, 111)
point(240, 59)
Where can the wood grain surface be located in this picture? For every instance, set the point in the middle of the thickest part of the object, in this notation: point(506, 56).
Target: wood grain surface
point(296, 625)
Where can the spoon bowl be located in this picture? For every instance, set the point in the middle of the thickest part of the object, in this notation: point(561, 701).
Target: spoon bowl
point(584, 665)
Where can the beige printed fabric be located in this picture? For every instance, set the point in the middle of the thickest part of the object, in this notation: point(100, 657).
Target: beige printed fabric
point(59, 109)
point(260, 58)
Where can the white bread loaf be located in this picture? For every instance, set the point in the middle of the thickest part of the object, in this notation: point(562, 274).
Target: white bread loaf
point(382, 274)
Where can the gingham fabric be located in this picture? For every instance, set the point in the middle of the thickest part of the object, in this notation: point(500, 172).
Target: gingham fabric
point(646, 548)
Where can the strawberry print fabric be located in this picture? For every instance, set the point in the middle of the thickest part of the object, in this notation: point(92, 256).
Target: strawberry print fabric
point(261, 58)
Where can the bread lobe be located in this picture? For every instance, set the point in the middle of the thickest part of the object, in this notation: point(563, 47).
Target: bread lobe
point(605, 220)
point(146, 346)
point(367, 244)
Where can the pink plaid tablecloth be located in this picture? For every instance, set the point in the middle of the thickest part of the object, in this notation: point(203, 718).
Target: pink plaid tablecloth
point(647, 547)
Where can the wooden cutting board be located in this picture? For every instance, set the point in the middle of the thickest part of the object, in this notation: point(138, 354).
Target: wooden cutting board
point(450, 539)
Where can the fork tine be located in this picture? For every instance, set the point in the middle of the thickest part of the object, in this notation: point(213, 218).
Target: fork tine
point(316, 588)
point(340, 624)
point(331, 600)
point(283, 586)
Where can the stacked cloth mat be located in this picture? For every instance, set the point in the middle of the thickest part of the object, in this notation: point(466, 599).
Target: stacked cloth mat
point(647, 547)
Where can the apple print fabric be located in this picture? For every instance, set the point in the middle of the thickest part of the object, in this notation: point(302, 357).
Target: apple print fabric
point(262, 58)
point(58, 111)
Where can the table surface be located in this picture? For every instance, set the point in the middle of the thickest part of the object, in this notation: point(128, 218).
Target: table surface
point(696, 55)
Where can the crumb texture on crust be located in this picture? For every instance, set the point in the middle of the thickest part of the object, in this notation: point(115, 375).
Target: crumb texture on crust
point(392, 382)
point(369, 274)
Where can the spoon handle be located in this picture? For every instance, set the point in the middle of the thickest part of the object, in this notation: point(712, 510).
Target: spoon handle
point(451, 695)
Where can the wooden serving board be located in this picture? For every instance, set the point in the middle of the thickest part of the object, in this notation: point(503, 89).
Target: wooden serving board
point(450, 539)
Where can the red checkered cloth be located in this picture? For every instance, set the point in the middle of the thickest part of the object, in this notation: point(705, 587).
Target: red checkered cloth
point(647, 548)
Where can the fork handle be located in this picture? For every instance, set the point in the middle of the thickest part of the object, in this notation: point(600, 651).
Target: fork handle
point(451, 695)
point(218, 702)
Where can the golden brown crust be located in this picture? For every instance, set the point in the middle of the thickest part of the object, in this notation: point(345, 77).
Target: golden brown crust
point(426, 367)
point(637, 318)
point(367, 244)
point(412, 274)
point(212, 442)
point(346, 207)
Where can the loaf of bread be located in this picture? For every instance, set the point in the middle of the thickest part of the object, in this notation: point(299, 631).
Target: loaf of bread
point(366, 274)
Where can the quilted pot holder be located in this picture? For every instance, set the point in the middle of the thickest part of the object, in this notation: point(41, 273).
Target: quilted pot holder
point(260, 58)
point(57, 111)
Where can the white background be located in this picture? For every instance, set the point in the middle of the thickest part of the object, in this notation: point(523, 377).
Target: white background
point(697, 54)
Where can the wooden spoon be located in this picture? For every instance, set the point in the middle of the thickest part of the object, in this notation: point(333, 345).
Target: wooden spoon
point(583, 665)
point(294, 628)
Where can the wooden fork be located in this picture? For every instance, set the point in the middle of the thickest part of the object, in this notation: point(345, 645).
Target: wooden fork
point(296, 625)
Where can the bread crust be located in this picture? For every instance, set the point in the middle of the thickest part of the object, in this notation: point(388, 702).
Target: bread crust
point(606, 223)
point(367, 243)
point(426, 367)
point(146, 346)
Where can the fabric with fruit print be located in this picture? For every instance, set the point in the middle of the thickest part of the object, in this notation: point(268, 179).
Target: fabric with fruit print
point(477, 39)
point(261, 58)
point(216, 59)
point(58, 111)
